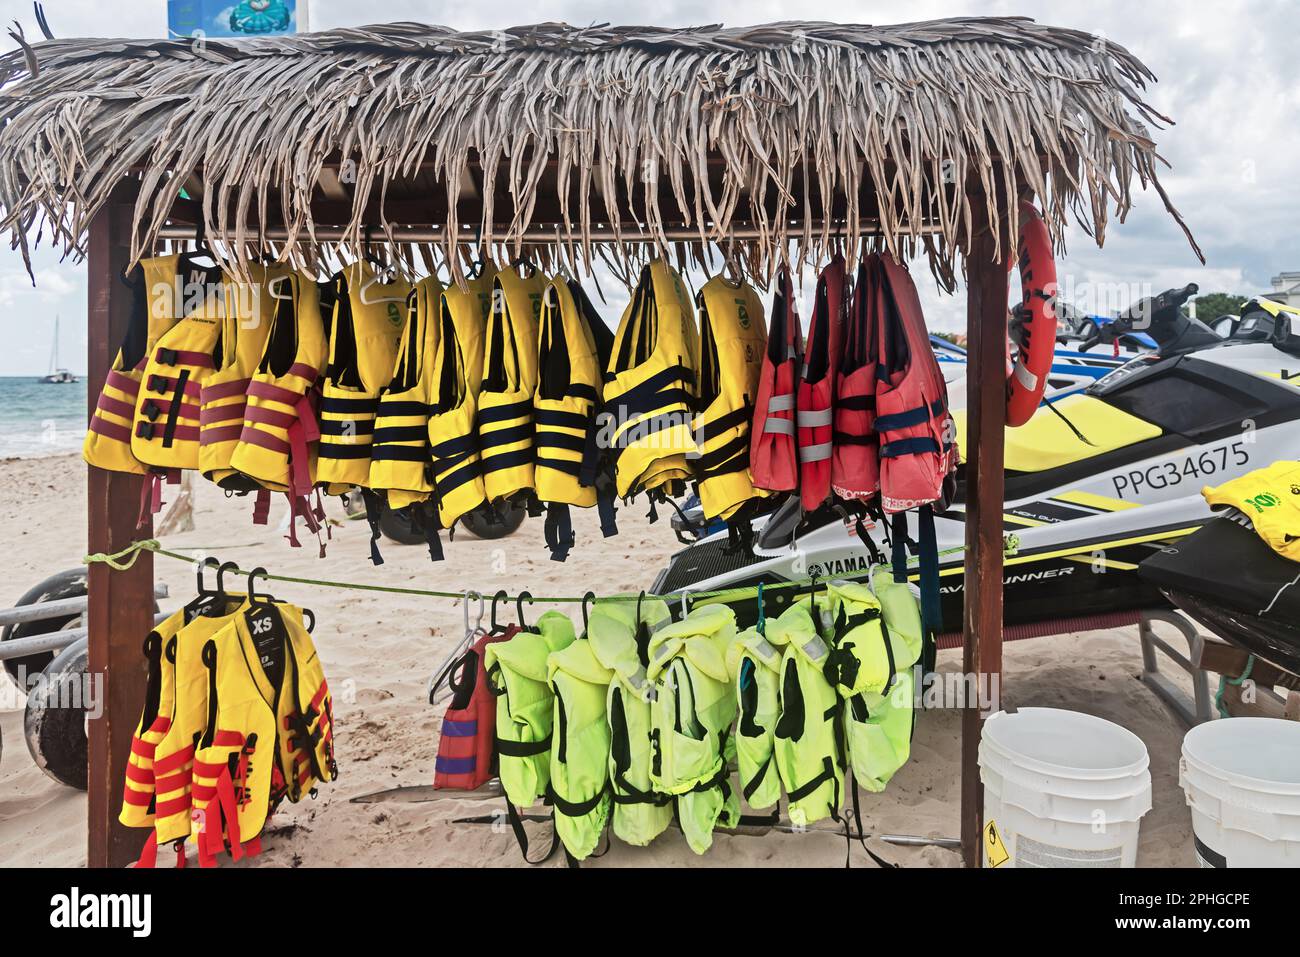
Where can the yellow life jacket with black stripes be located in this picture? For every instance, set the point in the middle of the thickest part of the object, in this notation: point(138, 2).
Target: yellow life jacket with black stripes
point(399, 458)
point(570, 468)
point(223, 399)
point(270, 730)
point(153, 312)
point(733, 339)
point(453, 440)
point(365, 333)
point(650, 386)
point(277, 443)
point(505, 401)
point(166, 432)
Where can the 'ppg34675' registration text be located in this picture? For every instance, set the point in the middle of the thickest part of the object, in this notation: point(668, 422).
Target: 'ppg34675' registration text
point(1196, 466)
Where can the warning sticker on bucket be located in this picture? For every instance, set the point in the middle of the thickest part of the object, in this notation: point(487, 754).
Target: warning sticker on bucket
point(995, 852)
point(1031, 853)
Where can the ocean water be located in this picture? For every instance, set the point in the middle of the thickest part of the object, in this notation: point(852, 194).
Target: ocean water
point(38, 419)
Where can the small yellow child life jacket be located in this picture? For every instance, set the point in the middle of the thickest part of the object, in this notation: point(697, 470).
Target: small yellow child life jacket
point(579, 787)
point(270, 733)
point(620, 633)
point(692, 713)
point(153, 312)
point(733, 339)
point(399, 459)
point(505, 401)
point(365, 334)
point(453, 437)
point(651, 386)
point(570, 469)
point(1270, 498)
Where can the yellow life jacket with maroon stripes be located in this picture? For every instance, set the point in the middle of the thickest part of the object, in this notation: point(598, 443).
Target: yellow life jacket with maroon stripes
point(650, 386)
point(505, 401)
point(159, 767)
point(453, 441)
point(165, 434)
point(276, 442)
point(365, 333)
point(224, 396)
point(399, 457)
point(733, 339)
point(108, 438)
point(574, 348)
point(270, 729)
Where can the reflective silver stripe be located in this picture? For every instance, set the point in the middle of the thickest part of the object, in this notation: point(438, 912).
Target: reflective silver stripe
point(661, 624)
point(816, 648)
point(662, 652)
point(779, 426)
point(765, 649)
point(811, 420)
point(781, 403)
point(814, 453)
point(1024, 376)
point(644, 689)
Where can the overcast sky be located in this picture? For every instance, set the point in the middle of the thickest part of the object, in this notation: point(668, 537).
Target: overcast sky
point(1229, 73)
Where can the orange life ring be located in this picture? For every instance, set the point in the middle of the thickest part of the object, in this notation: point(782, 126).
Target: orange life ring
point(1028, 374)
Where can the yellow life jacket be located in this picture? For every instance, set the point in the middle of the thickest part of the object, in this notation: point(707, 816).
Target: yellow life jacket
point(223, 398)
point(754, 661)
point(108, 438)
point(399, 460)
point(453, 441)
point(165, 435)
point(579, 787)
point(574, 349)
point(270, 734)
point(276, 447)
point(692, 712)
point(155, 717)
point(505, 401)
point(733, 339)
point(620, 635)
point(1270, 498)
point(650, 386)
point(807, 746)
point(365, 333)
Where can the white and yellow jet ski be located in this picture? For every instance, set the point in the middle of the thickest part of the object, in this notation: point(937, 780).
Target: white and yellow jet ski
point(1091, 492)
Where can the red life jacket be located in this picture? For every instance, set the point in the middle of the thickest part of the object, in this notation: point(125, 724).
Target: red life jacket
point(815, 413)
point(469, 726)
point(917, 439)
point(855, 466)
point(773, 460)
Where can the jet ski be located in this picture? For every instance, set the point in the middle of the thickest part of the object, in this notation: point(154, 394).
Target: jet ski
point(1228, 579)
point(1097, 483)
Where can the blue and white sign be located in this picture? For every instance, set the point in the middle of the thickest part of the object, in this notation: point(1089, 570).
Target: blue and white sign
point(235, 18)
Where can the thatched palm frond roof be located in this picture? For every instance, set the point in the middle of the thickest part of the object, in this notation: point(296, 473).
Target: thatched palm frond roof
point(789, 134)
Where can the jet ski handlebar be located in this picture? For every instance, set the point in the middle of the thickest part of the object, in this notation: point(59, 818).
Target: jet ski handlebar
point(1162, 319)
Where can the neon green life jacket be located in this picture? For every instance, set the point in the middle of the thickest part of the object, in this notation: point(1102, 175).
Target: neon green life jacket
point(620, 633)
point(808, 748)
point(694, 707)
point(754, 662)
point(878, 726)
point(579, 786)
point(516, 670)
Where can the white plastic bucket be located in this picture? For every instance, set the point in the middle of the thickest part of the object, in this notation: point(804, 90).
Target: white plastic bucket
point(1063, 789)
point(1242, 781)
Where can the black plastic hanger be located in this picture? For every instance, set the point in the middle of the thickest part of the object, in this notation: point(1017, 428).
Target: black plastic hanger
point(588, 598)
point(519, 608)
point(204, 596)
point(497, 627)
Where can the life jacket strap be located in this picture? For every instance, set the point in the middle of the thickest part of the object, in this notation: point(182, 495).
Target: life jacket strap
point(523, 749)
point(559, 531)
point(827, 774)
point(752, 785)
point(575, 808)
point(373, 511)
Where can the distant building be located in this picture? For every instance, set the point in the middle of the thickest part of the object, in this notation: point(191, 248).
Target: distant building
point(1286, 289)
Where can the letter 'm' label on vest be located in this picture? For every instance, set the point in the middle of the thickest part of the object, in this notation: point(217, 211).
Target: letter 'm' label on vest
point(266, 628)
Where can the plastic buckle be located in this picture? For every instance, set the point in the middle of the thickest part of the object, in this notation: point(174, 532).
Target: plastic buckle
point(158, 383)
point(168, 357)
point(144, 430)
point(150, 411)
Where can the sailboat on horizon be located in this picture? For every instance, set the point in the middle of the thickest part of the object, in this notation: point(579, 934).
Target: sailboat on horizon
point(57, 376)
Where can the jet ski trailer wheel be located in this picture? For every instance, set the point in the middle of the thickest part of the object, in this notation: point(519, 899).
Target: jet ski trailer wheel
point(66, 584)
point(55, 720)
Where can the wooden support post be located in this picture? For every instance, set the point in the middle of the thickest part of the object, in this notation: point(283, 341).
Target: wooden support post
point(120, 610)
point(986, 330)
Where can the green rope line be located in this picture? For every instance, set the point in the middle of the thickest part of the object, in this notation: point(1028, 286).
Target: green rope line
point(1238, 681)
point(126, 558)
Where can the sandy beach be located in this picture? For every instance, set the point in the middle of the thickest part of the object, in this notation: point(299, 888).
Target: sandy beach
point(379, 651)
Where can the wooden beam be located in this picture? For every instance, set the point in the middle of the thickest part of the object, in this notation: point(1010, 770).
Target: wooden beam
point(120, 604)
point(986, 330)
